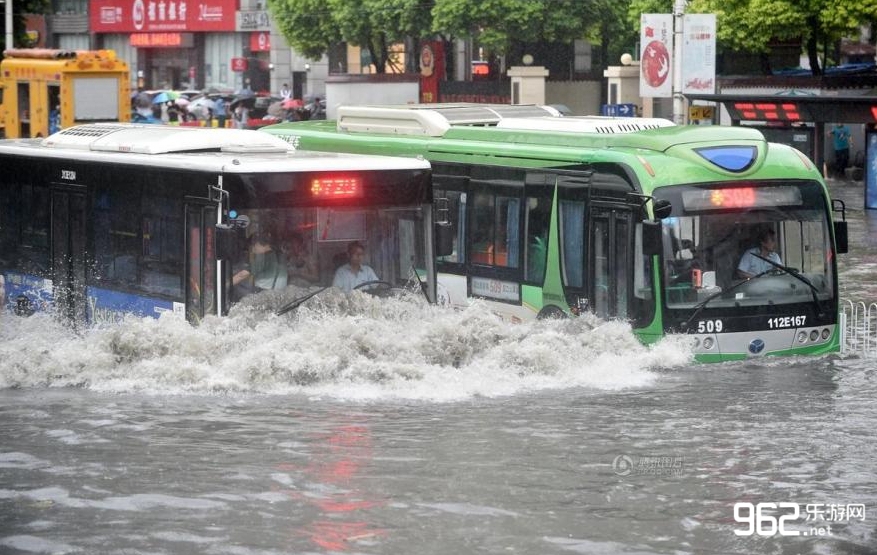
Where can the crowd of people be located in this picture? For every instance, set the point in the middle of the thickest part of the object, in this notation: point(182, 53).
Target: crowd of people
point(243, 109)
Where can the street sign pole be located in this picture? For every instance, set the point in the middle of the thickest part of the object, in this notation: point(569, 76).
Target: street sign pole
point(678, 99)
point(9, 42)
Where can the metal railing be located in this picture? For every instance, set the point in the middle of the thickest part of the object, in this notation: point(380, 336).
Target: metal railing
point(858, 325)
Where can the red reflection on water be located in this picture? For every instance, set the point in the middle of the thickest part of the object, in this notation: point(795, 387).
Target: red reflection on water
point(339, 456)
point(337, 536)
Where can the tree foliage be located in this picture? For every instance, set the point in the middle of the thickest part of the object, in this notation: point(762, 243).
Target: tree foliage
point(19, 30)
point(494, 23)
point(312, 27)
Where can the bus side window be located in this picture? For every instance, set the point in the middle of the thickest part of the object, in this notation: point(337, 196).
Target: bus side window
point(482, 229)
point(495, 230)
point(572, 239)
point(537, 223)
point(24, 228)
point(456, 205)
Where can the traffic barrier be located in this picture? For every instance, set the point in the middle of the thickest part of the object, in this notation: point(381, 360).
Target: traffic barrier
point(858, 324)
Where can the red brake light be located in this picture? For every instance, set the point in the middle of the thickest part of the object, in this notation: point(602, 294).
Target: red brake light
point(336, 187)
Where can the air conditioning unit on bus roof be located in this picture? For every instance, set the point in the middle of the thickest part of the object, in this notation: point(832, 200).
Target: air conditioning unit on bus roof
point(432, 120)
point(585, 124)
point(162, 139)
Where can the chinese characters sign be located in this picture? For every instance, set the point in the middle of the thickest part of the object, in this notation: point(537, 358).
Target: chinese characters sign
point(155, 16)
point(699, 53)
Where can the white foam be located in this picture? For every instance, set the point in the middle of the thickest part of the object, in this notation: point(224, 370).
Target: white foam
point(350, 347)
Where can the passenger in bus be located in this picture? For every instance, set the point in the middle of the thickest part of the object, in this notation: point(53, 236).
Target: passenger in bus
point(302, 266)
point(354, 273)
point(265, 268)
point(751, 265)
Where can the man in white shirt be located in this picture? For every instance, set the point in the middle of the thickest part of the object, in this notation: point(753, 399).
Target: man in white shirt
point(354, 273)
point(750, 265)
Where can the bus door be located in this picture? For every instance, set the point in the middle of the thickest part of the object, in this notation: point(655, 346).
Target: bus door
point(611, 261)
point(68, 251)
point(201, 217)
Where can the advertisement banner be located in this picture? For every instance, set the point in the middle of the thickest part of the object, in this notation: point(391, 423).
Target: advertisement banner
point(656, 55)
point(699, 53)
point(871, 169)
point(158, 16)
point(432, 70)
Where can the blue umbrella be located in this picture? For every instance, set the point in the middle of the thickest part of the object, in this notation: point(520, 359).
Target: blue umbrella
point(165, 96)
point(161, 97)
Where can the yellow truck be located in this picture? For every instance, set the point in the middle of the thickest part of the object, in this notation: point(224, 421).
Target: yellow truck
point(45, 90)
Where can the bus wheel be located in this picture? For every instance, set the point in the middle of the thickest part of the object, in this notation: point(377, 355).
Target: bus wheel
point(551, 312)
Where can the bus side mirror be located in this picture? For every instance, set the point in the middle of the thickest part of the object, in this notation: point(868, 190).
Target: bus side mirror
point(840, 237)
point(226, 242)
point(662, 209)
point(652, 240)
point(444, 239)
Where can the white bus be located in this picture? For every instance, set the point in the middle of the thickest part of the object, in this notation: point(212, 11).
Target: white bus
point(102, 220)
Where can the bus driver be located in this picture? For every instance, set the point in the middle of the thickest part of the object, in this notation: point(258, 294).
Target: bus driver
point(751, 265)
point(354, 273)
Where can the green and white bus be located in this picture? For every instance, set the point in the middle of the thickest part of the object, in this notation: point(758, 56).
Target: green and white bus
point(634, 219)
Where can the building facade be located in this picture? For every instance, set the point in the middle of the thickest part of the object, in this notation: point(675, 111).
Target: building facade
point(222, 45)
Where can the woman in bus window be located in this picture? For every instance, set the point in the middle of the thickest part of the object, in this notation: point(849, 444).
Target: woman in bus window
point(265, 269)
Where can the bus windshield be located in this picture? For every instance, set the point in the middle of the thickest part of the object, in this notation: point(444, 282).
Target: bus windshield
point(747, 245)
point(365, 248)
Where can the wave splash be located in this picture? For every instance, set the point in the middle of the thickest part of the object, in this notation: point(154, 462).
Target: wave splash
point(343, 346)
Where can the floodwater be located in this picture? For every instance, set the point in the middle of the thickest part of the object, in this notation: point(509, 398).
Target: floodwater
point(384, 427)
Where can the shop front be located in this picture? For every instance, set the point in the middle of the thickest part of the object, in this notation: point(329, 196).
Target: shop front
point(175, 44)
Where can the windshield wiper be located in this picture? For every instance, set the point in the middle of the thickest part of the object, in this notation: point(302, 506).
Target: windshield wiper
point(295, 303)
point(791, 271)
point(702, 304)
point(797, 275)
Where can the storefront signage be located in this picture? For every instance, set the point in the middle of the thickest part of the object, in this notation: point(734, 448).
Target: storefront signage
point(253, 21)
point(157, 16)
point(162, 40)
point(239, 64)
point(260, 41)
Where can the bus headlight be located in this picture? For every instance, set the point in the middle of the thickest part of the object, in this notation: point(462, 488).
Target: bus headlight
point(825, 333)
point(708, 343)
point(814, 335)
point(802, 336)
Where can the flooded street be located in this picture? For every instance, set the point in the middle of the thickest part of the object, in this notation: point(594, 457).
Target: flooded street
point(387, 427)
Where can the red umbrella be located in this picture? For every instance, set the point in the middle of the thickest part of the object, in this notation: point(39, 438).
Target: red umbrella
point(291, 103)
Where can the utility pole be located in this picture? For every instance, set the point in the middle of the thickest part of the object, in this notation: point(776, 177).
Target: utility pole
point(678, 99)
point(8, 43)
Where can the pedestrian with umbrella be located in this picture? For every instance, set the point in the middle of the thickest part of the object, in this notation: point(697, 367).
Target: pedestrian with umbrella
point(243, 102)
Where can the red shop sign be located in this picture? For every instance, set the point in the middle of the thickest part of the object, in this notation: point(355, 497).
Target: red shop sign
point(239, 64)
point(260, 41)
point(161, 16)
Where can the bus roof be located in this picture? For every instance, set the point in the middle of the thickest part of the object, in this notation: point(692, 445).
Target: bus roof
point(432, 120)
point(585, 124)
point(194, 148)
point(161, 139)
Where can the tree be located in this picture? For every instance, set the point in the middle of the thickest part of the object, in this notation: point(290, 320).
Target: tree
point(494, 23)
point(19, 30)
point(312, 27)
